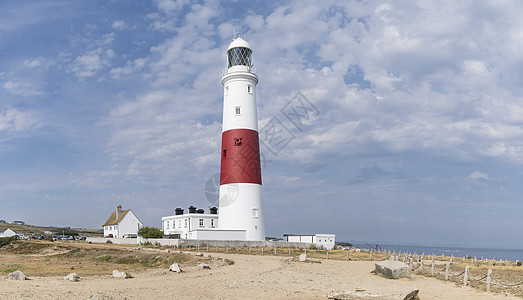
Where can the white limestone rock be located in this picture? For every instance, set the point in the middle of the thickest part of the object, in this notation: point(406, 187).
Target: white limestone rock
point(17, 275)
point(392, 269)
point(303, 257)
point(175, 268)
point(72, 277)
point(118, 274)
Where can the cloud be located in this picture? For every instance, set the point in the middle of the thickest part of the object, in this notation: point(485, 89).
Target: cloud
point(89, 64)
point(21, 89)
point(13, 120)
point(478, 175)
point(120, 25)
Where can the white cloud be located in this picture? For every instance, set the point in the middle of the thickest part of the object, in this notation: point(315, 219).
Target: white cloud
point(478, 175)
point(90, 63)
point(13, 120)
point(120, 25)
point(21, 88)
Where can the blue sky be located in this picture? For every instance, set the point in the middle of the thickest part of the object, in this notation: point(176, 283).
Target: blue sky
point(417, 137)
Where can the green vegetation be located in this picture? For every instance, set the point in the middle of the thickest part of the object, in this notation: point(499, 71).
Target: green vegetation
point(6, 241)
point(518, 264)
point(150, 232)
point(128, 260)
point(103, 258)
point(108, 242)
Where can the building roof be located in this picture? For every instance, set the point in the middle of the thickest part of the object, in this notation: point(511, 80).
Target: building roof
point(239, 42)
point(112, 219)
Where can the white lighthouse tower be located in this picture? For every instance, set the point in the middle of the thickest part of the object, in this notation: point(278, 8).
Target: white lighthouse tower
point(240, 204)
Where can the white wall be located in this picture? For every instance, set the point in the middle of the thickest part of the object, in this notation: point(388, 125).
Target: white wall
point(129, 225)
point(218, 235)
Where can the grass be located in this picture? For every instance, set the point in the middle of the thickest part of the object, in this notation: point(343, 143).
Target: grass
point(103, 258)
point(8, 270)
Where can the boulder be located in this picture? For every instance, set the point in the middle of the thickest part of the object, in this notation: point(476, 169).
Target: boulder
point(206, 255)
point(392, 269)
point(118, 274)
point(203, 266)
point(175, 268)
point(303, 257)
point(72, 277)
point(17, 275)
point(199, 254)
point(407, 295)
point(228, 261)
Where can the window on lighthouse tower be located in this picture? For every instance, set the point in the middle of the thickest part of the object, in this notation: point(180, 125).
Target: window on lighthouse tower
point(237, 110)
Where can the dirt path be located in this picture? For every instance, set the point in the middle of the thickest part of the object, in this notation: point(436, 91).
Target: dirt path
point(251, 277)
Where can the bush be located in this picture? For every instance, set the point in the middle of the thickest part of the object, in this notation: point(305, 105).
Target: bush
point(109, 242)
point(6, 241)
point(518, 264)
point(150, 232)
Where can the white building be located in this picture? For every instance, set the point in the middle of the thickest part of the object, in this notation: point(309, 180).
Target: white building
point(325, 241)
point(7, 233)
point(197, 225)
point(122, 223)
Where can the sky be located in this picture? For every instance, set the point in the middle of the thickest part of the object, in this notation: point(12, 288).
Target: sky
point(410, 128)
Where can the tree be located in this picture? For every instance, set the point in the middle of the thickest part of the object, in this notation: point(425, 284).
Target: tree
point(150, 232)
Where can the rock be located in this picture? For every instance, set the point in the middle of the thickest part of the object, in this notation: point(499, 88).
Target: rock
point(303, 257)
point(392, 269)
point(118, 274)
point(206, 255)
point(167, 251)
point(228, 261)
point(199, 254)
point(204, 266)
point(407, 295)
point(175, 268)
point(139, 248)
point(17, 275)
point(72, 277)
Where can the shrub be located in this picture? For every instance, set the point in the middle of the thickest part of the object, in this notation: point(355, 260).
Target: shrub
point(150, 232)
point(103, 258)
point(518, 264)
point(109, 242)
point(6, 241)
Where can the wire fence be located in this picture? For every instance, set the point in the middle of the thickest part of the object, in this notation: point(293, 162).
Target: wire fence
point(443, 269)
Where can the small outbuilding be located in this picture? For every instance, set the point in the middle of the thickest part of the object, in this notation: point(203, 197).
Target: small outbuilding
point(325, 241)
point(122, 223)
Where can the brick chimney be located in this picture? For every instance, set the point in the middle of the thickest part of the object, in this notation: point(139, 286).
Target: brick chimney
point(118, 211)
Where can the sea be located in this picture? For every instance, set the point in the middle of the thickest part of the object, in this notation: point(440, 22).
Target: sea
point(490, 253)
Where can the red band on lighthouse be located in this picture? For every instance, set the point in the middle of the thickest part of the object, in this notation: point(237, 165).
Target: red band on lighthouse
point(240, 157)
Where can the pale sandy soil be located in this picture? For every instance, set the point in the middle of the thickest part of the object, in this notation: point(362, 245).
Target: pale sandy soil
point(251, 277)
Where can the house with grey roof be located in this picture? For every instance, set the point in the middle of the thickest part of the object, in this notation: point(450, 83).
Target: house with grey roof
point(122, 223)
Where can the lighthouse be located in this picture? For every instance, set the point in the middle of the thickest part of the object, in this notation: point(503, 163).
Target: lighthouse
point(240, 199)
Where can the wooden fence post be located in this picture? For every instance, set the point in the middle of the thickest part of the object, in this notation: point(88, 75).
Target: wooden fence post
point(289, 251)
point(433, 268)
point(411, 265)
point(262, 250)
point(421, 265)
point(327, 254)
point(207, 248)
point(489, 279)
point(250, 250)
point(447, 271)
point(275, 251)
point(347, 256)
point(227, 249)
point(198, 247)
point(466, 276)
